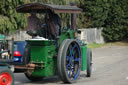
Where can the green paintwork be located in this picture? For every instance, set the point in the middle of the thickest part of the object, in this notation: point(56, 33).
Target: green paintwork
point(43, 54)
point(41, 42)
point(66, 34)
point(84, 57)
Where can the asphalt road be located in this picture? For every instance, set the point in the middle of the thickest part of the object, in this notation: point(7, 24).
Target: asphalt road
point(110, 67)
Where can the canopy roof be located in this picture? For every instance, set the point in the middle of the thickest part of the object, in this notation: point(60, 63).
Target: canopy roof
point(37, 7)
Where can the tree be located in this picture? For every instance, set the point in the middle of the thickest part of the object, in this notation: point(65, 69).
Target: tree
point(115, 23)
point(110, 14)
point(95, 12)
point(10, 20)
point(125, 9)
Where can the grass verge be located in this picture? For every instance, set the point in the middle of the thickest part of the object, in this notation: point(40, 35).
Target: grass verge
point(95, 45)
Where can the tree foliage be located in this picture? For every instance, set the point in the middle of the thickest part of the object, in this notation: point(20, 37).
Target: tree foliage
point(10, 20)
point(116, 23)
point(95, 12)
point(110, 14)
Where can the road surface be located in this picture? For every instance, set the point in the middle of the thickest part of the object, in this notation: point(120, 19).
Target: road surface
point(110, 67)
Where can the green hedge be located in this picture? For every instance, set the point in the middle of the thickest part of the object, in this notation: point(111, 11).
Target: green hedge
point(10, 20)
point(112, 15)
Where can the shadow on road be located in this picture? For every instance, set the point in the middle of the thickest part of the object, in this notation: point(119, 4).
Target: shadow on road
point(53, 80)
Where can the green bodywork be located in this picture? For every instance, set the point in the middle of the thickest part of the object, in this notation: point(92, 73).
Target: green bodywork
point(66, 34)
point(84, 57)
point(44, 54)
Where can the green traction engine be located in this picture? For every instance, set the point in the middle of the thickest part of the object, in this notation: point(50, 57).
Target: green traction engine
point(64, 56)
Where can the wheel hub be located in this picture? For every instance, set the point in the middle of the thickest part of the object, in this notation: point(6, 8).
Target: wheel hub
point(5, 79)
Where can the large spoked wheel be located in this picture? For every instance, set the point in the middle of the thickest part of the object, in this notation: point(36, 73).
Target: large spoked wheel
point(6, 77)
point(32, 78)
point(69, 61)
point(89, 62)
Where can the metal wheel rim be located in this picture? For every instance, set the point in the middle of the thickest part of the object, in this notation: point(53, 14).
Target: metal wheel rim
point(5, 79)
point(73, 61)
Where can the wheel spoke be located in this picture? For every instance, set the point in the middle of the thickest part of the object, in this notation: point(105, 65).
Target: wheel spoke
point(71, 60)
point(70, 72)
point(73, 53)
point(70, 50)
point(73, 73)
point(77, 74)
point(74, 46)
point(67, 66)
point(67, 58)
point(77, 59)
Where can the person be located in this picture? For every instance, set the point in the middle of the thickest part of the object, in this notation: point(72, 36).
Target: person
point(54, 25)
point(34, 25)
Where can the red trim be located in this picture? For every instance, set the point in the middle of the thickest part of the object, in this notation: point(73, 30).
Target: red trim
point(17, 53)
point(5, 78)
